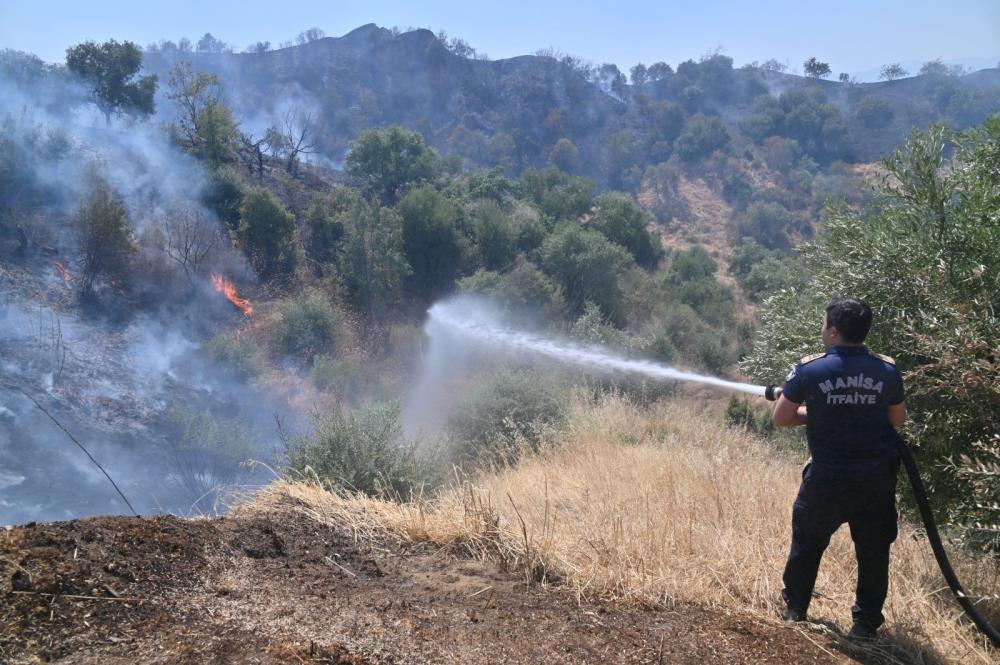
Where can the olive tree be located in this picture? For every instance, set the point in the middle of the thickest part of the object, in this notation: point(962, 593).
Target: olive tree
point(926, 260)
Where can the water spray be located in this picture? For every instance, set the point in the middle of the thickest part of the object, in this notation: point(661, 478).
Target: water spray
point(475, 323)
point(487, 331)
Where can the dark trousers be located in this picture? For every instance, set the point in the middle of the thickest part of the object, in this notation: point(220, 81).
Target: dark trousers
point(868, 505)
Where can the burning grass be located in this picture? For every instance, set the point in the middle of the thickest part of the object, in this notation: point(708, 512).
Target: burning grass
point(659, 506)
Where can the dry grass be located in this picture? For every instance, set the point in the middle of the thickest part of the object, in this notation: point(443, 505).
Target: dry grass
point(667, 505)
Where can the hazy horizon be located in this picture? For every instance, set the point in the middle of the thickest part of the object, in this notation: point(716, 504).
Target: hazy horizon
point(627, 33)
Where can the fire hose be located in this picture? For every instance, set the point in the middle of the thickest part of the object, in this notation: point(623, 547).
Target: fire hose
point(772, 393)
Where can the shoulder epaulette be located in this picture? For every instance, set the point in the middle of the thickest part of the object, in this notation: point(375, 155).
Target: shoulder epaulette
point(812, 357)
point(884, 358)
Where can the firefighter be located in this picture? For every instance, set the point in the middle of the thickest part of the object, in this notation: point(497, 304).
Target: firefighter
point(851, 402)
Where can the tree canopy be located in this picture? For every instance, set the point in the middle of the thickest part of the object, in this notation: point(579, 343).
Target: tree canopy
point(388, 160)
point(110, 70)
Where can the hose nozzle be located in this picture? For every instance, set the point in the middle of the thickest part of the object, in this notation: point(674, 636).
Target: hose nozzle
point(772, 393)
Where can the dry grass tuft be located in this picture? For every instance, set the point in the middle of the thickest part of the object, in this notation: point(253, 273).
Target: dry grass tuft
point(662, 506)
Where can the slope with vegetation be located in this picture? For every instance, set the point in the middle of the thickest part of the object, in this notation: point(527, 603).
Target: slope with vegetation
point(652, 218)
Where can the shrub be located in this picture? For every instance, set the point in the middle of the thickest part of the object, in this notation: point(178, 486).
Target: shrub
point(768, 223)
point(224, 194)
point(623, 222)
point(267, 229)
point(107, 244)
point(558, 195)
point(208, 452)
point(507, 412)
point(587, 266)
point(388, 160)
point(524, 289)
point(239, 353)
point(307, 325)
point(702, 136)
point(326, 225)
point(761, 271)
point(495, 235)
point(432, 242)
point(874, 112)
point(744, 415)
point(363, 452)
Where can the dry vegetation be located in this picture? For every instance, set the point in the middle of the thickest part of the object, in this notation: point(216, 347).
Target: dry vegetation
point(663, 506)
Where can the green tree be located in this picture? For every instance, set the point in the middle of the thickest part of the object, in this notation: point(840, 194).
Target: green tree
point(701, 137)
point(107, 244)
point(192, 92)
point(622, 221)
point(558, 195)
point(934, 68)
point(815, 68)
point(565, 156)
point(495, 235)
point(926, 260)
point(217, 134)
point(639, 74)
point(432, 242)
point(325, 221)
point(373, 260)
point(874, 112)
point(267, 229)
point(388, 160)
point(892, 71)
point(224, 194)
point(768, 223)
point(523, 289)
point(762, 272)
point(110, 70)
point(587, 266)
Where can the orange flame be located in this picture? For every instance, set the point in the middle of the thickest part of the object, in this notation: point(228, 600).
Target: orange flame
point(64, 272)
point(228, 289)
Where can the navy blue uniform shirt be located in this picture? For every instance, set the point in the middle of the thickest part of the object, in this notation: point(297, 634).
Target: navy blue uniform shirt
point(847, 392)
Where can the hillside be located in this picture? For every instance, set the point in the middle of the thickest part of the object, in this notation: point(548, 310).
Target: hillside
point(513, 112)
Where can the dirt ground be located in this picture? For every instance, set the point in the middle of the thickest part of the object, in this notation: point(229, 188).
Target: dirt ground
point(266, 588)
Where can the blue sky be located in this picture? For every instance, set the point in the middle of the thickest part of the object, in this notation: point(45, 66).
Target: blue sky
point(852, 35)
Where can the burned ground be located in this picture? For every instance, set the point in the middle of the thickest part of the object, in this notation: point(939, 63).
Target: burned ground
point(278, 587)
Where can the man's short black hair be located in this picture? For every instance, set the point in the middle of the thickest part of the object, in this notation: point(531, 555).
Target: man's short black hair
point(852, 317)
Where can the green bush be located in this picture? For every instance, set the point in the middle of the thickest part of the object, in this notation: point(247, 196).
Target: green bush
point(702, 136)
point(874, 112)
point(768, 223)
point(690, 280)
point(507, 412)
point(224, 194)
point(388, 160)
point(742, 414)
point(623, 222)
point(524, 289)
point(239, 353)
point(432, 242)
point(307, 325)
point(325, 221)
point(558, 195)
point(587, 266)
point(267, 229)
point(107, 244)
point(761, 271)
point(208, 452)
point(363, 452)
